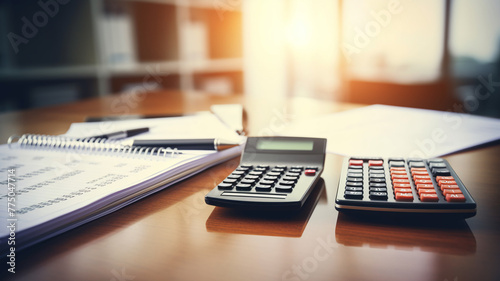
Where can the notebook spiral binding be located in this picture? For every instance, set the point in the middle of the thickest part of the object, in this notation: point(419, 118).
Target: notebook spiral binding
point(88, 145)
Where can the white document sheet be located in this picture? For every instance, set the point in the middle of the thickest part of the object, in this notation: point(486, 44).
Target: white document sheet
point(385, 131)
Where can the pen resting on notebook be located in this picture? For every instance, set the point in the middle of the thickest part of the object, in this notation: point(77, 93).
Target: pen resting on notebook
point(187, 144)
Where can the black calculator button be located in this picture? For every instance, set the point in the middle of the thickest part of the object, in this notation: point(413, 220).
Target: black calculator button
point(372, 179)
point(438, 165)
point(441, 172)
point(311, 168)
point(297, 167)
point(353, 183)
point(294, 179)
point(284, 188)
point(393, 159)
point(238, 173)
point(372, 175)
point(356, 167)
point(289, 183)
point(243, 186)
point(270, 178)
point(376, 168)
point(250, 177)
point(377, 171)
point(353, 188)
point(417, 165)
point(263, 187)
point(355, 175)
point(275, 174)
point(354, 179)
point(247, 181)
point(246, 166)
point(435, 160)
point(242, 169)
point(260, 169)
point(397, 163)
point(353, 194)
point(295, 170)
point(354, 171)
point(255, 173)
point(278, 170)
point(374, 184)
point(225, 186)
point(236, 177)
point(374, 195)
point(263, 167)
point(230, 181)
point(292, 174)
point(266, 182)
point(378, 189)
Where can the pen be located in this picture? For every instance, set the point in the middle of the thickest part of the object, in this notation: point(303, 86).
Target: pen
point(187, 144)
point(122, 134)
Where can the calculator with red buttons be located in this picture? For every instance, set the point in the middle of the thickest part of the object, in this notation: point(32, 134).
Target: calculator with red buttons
point(274, 172)
point(402, 185)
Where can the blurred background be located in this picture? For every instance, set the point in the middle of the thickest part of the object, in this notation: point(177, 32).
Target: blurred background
point(436, 54)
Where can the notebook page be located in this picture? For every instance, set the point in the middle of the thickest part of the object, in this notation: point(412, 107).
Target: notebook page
point(50, 183)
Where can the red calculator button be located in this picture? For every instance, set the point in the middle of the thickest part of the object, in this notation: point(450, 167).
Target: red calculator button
point(402, 190)
point(399, 176)
point(425, 186)
point(407, 181)
point(310, 172)
point(421, 177)
point(421, 173)
point(429, 197)
point(400, 196)
point(426, 190)
point(423, 182)
point(375, 163)
point(402, 185)
point(455, 198)
point(449, 186)
point(353, 162)
point(418, 170)
point(447, 191)
point(441, 182)
point(397, 169)
point(446, 178)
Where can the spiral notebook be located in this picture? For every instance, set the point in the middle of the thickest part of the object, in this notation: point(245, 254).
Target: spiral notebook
point(52, 184)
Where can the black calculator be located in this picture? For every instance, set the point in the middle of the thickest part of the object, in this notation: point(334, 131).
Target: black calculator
point(401, 185)
point(274, 172)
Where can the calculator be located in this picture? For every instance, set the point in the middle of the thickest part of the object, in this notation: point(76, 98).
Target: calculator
point(402, 185)
point(274, 172)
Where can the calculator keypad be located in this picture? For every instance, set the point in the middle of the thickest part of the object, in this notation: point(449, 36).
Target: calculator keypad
point(400, 183)
point(264, 178)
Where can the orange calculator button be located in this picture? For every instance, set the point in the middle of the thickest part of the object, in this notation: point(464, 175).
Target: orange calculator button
point(407, 181)
point(446, 178)
point(402, 190)
point(423, 182)
point(424, 186)
point(447, 191)
point(455, 198)
point(375, 162)
point(399, 176)
point(426, 190)
point(402, 185)
point(429, 197)
point(397, 169)
point(407, 196)
point(354, 162)
point(421, 173)
point(418, 170)
point(441, 182)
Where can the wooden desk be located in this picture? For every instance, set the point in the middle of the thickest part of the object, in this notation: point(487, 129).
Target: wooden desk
point(174, 235)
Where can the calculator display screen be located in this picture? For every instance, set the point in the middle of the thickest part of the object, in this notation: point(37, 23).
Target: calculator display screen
point(297, 145)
